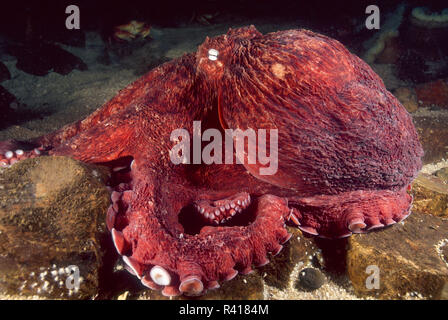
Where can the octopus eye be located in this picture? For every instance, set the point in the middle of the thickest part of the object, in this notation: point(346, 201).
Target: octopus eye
point(213, 54)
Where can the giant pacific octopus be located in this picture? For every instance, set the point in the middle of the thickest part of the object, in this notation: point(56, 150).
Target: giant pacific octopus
point(347, 153)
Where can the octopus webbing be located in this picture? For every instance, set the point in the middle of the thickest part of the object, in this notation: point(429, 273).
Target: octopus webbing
point(347, 153)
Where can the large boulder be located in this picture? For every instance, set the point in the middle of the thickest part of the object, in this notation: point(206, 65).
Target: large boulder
point(408, 260)
point(430, 195)
point(52, 220)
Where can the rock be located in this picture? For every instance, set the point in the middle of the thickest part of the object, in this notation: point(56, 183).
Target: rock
point(38, 58)
point(52, 217)
point(433, 93)
point(298, 249)
point(391, 51)
point(4, 72)
point(377, 46)
point(444, 295)
point(410, 258)
point(442, 174)
point(407, 98)
point(249, 287)
point(433, 135)
point(310, 279)
point(123, 296)
point(430, 195)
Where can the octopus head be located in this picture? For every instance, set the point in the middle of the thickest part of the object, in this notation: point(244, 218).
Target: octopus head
point(217, 55)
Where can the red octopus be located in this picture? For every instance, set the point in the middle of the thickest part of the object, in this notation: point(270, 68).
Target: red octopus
point(347, 152)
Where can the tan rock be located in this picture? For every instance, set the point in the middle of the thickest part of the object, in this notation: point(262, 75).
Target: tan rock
point(430, 195)
point(51, 217)
point(407, 97)
point(442, 174)
point(410, 259)
point(391, 51)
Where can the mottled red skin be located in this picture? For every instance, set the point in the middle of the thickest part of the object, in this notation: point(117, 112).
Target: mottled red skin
point(347, 150)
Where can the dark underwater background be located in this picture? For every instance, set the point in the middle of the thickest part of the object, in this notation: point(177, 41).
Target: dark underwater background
point(51, 76)
point(48, 73)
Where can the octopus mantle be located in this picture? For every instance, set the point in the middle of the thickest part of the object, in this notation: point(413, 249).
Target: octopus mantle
point(347, 152)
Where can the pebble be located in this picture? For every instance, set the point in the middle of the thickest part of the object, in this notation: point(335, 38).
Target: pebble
point(310, 279)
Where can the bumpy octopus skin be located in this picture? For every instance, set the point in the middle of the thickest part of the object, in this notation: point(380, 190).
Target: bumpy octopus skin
point(347, 153)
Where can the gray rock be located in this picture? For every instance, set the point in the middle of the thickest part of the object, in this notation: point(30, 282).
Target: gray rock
point(310, 279)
